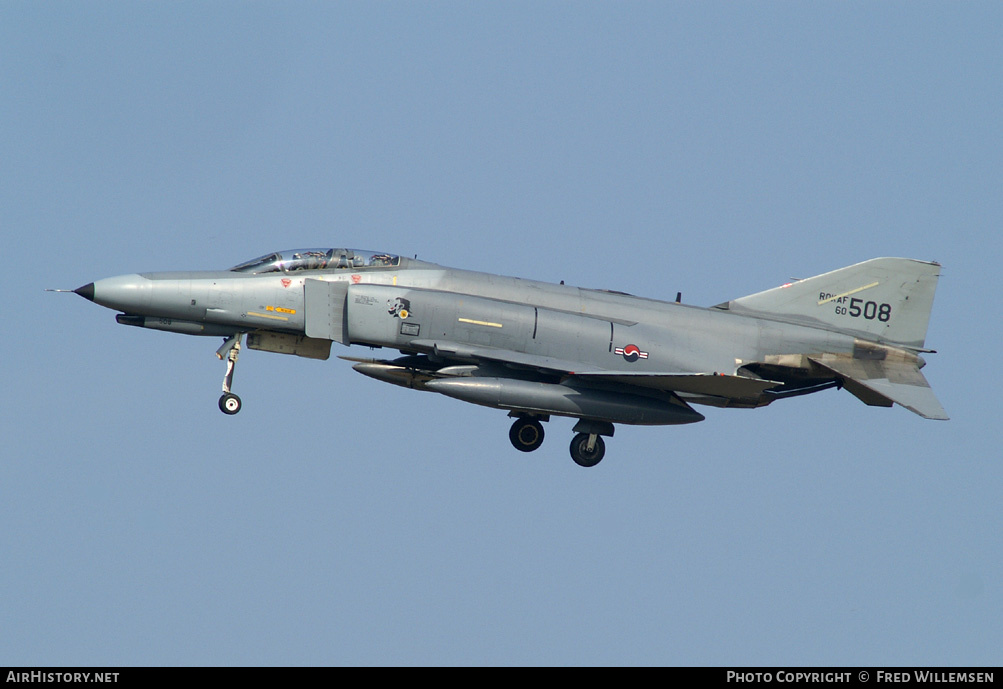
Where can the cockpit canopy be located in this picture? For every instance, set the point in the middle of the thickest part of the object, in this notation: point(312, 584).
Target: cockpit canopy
point(317, 259)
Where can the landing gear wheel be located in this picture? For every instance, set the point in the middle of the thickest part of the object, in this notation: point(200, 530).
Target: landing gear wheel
point(526, 434)
point(581, 453)
point(229, 403)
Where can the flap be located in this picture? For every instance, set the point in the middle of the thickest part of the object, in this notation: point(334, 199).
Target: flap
point(714, 384)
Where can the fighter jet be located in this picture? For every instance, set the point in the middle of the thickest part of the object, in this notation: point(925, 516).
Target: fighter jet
point(539, 350)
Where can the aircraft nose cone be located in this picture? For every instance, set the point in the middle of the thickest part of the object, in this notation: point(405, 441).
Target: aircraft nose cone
point(129, 293)
point(87, 291)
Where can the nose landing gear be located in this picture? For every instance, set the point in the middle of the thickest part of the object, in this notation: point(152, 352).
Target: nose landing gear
point(229, 403)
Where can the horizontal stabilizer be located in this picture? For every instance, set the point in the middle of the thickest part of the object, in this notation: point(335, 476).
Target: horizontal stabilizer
point(883, 382)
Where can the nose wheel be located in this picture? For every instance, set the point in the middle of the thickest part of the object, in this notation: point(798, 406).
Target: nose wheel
point(229, 403)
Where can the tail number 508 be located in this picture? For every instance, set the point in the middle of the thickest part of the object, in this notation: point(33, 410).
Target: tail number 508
point(869, 310)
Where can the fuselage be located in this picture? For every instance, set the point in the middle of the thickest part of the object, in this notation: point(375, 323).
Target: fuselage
point(601, 329)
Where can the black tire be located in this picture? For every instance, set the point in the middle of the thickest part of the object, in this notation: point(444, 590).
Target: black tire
point(526, 434)
point(580, 453)
point(229, 404)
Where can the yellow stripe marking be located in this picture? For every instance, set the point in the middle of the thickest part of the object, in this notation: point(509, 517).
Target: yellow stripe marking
point(267, 315)
point(846, 294)
point(487, 323)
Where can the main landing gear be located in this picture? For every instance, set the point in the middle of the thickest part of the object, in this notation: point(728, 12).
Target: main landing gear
point(587, 447)
point(229, 403)
point(526, 434)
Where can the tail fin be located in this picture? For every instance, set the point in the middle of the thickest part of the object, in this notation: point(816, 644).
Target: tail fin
point(883, 300)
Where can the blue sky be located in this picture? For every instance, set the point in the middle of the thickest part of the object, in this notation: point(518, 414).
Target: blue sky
point(716, 149)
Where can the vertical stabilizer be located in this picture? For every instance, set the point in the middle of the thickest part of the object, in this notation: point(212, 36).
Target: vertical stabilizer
point(882, 300)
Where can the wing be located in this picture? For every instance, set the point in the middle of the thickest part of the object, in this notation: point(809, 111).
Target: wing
point(727, 390)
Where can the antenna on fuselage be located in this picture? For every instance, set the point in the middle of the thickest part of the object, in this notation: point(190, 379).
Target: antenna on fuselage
point(679, 297)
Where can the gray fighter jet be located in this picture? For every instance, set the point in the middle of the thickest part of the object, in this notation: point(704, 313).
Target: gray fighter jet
point(538, 349)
